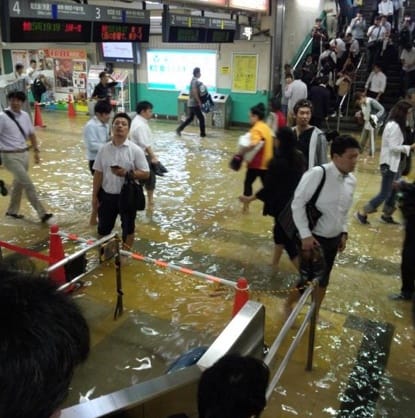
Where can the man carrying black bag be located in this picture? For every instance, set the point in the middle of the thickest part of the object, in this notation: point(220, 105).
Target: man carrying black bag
point(116, 160)
point(329, 234)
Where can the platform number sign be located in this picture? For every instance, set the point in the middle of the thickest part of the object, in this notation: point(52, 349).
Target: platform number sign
point(16, 7)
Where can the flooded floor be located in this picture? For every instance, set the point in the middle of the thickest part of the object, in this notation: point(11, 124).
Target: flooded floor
point(366, 355)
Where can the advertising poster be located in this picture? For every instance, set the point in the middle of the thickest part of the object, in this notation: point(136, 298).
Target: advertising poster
point(69, 70)
point(173, 69)
point(244, 73)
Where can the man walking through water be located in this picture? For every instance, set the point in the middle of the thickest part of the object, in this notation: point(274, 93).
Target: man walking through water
point(194, 105)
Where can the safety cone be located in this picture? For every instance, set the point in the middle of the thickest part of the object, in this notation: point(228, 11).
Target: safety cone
point(38, 116)
point(56, 253)
point(71, 107)
point(241, 295)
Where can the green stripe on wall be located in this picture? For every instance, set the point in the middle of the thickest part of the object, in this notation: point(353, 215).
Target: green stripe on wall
point(166, 102)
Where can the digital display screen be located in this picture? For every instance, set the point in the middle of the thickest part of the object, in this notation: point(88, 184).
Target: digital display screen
point(220, 36)
point(179, 34)
point(48, 30)
point(119, 51)
point(120, 32)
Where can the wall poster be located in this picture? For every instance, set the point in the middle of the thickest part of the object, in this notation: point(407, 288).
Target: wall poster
point(244, 73)
point(69, 70)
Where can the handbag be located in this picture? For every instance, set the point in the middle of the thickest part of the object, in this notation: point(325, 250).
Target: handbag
point(132, 195)
point(236, 162)
point(285, 217)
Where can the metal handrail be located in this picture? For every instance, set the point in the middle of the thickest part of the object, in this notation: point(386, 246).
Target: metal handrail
point(310, 317)
point(302, 53)
point(301, 56)
point(73, 256)
point(348, 94)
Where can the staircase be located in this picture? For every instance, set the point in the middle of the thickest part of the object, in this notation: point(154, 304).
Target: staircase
point(392, 69)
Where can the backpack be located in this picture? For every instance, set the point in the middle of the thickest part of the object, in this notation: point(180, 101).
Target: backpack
point(203, 93)
point(327, 65)
point(405, 37)
point(38, 88)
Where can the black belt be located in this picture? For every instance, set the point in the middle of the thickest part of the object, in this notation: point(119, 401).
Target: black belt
point(13, 151)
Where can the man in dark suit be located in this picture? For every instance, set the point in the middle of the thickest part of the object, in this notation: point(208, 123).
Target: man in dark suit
point(320, 98)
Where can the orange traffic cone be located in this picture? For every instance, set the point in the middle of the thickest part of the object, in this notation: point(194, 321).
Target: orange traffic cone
point(71, 107)
point(38, 116)
point(241, 295)
point(56, 253)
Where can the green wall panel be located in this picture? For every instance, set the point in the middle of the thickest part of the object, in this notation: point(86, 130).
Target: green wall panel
point(165, 102)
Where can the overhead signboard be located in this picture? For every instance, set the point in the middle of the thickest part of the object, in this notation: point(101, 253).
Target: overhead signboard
point(44, 10)
point(41, 30)
point(254, 5)
point(63, 22)
point(196, 29)
point(221, 3)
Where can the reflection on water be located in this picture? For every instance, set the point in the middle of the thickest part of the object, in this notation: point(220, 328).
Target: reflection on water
point(197, 223)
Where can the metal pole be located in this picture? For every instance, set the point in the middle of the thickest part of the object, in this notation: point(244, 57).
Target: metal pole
point(312, 332)
point(278, 15)
point(71, 257)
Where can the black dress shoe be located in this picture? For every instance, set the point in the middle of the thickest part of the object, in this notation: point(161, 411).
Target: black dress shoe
point(46, 217)
point(14, 215)
point(3, 189)
point(400, 296)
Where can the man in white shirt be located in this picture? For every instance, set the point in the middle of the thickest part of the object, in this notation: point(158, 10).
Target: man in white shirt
point(15, 129)
point(116, 160)
point(329, 235)
point(96, 134)
point(97, 131)
point(385, 8)
point(376, 33)
point(140, 134)
point(376, 83)
point(339, 47)
point(32, 71)
point(294, 92)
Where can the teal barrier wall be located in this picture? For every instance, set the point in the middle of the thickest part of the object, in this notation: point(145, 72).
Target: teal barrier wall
point(165, 102)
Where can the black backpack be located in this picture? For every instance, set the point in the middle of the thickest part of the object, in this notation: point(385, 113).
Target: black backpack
point(405, 37)
point(327, 65)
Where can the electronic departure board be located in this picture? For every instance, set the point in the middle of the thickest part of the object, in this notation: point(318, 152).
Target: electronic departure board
point(197, 29)
point(42, 21)
point(39, 30)
point(120, 32)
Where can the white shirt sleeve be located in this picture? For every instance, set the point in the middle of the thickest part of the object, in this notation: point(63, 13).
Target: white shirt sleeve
point(303, 193)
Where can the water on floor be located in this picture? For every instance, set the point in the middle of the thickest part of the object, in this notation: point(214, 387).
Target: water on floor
point(364, 363)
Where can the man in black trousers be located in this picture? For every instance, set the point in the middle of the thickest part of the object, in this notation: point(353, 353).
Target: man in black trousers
point(320, 98)
point(408, 249)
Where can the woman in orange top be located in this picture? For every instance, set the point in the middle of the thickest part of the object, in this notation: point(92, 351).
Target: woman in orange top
point(257, 167)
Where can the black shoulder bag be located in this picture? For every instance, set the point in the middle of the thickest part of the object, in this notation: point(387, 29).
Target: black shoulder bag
point(132, 195)
point(285, 217)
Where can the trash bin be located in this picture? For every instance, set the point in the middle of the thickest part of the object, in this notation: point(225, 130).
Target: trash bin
point(182, 106)
point(182, 111)
point(221, 117)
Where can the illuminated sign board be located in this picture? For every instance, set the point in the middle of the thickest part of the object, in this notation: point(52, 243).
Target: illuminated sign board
point(197, 29)
point(63, 22)
point(255, 5)
point(221, 3)
point(40, 30)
